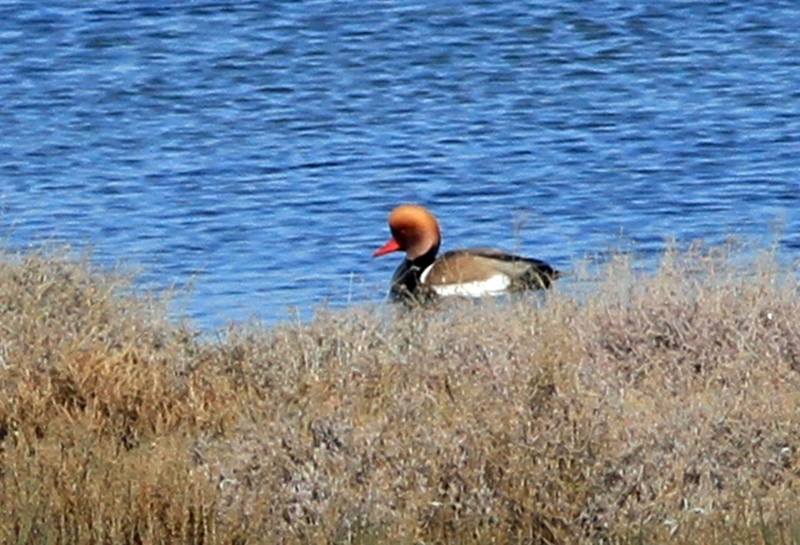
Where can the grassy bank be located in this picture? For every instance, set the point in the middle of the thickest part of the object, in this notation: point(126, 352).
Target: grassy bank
point(663, 408)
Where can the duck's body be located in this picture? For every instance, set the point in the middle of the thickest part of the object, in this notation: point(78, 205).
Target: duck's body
point(475, 272)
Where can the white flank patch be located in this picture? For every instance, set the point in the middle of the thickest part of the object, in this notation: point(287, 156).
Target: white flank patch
point(496, 285)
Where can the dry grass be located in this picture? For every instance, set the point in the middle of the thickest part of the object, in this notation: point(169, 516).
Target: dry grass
point(662, 408)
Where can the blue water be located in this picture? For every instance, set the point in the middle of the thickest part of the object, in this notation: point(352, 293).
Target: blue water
point(252, 150)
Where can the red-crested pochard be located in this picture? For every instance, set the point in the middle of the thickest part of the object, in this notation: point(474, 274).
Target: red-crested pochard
point(475, 272)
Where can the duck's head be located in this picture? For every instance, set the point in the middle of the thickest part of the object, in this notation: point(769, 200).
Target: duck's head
point(414, 231)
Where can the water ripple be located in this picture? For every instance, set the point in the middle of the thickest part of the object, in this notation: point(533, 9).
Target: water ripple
point(253, 150)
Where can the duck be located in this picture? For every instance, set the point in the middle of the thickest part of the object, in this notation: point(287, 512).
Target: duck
point(472, 273)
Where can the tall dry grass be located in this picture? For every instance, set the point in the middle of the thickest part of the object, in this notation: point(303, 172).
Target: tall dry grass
point(660, 408)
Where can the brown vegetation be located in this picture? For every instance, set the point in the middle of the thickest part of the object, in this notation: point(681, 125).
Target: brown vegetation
point(660, 408)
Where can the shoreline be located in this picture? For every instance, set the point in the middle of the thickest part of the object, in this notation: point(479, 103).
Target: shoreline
point(659, 407)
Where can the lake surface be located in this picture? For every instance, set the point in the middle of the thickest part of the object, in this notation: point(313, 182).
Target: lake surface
point(254, 149)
